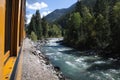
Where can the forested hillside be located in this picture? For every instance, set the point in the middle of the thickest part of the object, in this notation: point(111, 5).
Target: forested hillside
point(39, 28)
point(96, 27)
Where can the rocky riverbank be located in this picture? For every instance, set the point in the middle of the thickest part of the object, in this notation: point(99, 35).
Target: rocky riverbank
point(37, 66)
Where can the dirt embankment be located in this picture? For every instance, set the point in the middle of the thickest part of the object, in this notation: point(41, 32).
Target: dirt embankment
point(36, 66)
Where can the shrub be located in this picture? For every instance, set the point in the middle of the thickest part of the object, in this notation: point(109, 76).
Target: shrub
point(33, 36)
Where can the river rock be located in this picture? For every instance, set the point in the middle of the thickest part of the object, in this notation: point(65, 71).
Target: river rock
point(56, 68)
point(38, 52)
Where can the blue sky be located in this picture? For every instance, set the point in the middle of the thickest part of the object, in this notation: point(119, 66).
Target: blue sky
point(45, 6)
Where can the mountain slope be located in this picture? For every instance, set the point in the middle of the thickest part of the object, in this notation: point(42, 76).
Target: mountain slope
point(58, 13)
point(55, 15)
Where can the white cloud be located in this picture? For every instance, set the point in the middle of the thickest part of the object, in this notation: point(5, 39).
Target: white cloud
point(28, 18)
point(45, 13)
point(36, 5)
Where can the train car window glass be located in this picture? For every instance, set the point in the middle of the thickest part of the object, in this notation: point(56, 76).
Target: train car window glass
point(8, 17)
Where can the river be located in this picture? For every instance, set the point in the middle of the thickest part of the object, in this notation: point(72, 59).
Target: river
point(76, 65)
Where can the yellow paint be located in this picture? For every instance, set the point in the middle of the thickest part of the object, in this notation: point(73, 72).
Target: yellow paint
point(17, 10)
point(8, 68)
point(7, 54)
point(2, 26)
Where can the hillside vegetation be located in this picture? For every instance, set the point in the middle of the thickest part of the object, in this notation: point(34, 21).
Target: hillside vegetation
point(93, 27)
point(39, 28)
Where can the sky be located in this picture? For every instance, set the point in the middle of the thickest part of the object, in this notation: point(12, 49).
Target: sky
point(45, 6)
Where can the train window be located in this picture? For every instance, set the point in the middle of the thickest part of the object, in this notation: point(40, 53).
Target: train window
point(8, 17)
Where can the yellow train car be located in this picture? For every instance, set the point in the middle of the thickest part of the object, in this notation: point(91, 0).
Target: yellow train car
point(12, 33)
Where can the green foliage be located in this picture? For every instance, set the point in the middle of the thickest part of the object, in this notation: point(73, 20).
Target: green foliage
point(102, 32)
point(73, 28)
point(33, 36)
point(95, 28)
point(41, 28)
point(31, 26)
point(35, 25)
point(80, 30)
point(45, 27)
point(102, 7)
point(115, 26)
point(54, 31)
point(38, 24)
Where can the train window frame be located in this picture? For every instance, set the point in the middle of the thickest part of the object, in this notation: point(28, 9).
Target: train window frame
point(20, 25)
point(8, 17)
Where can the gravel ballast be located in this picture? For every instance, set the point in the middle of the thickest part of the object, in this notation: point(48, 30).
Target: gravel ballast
point(34, 66)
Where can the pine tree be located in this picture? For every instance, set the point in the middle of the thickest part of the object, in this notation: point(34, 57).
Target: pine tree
point(101, 7)
point(31, 26)
point(102, 32)
point(79, 8)
point(38, 24)
point(115, 26)
point(45, 27)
